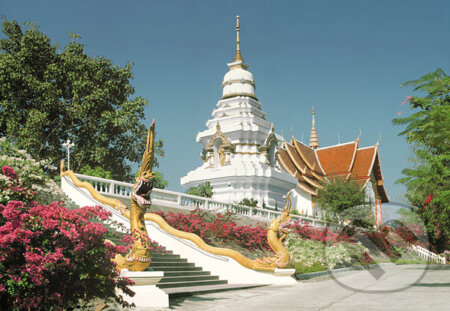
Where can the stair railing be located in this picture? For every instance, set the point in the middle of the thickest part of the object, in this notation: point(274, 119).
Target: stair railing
point(427, 255)
point(161, 196)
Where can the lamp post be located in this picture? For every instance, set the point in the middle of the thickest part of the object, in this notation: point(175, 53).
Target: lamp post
point(68, 145)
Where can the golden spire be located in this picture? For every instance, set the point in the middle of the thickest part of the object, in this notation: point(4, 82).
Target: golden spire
point(238, 56)
point(238, 61)
point(313, 139)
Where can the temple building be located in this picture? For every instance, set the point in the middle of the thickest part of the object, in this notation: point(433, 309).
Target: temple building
point(243, 157)
point(312, 165)
point(240, 146)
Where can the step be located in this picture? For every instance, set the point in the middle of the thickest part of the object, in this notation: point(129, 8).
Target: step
point(159, 252)
point(191, 283)
point(162, 260)
point(172, 264)
point(194, 290)
point(175, 268)
point(184, 278)
point(159, 256)
point(186, 273)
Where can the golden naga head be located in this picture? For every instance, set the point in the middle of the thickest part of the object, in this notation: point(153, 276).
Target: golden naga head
point(146, 178)
point(280, 223)
point(140, 258)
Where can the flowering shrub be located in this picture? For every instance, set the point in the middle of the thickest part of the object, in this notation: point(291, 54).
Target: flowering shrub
point(308, 253)
point(33, 174)
point(324, 235)
point(387, 243)
point(52, 257)
point(219, 228)
point(411, 234)
point(12, 189)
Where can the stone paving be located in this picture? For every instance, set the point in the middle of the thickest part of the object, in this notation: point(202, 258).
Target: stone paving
point(408, 287)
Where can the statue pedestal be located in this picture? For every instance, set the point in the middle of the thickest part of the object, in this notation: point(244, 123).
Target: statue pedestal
point(147, 295)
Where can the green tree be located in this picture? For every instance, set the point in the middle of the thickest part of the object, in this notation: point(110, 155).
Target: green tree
point(160, 182)
point(345, 200)
point(204, 190)
point(97, 171)
point(49, 95)
point(428, 131)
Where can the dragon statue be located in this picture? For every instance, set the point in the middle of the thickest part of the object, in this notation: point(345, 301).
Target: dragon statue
point(278, 227)
point(139, 257)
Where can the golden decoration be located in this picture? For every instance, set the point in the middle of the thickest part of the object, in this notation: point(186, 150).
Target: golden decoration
point(139, 257)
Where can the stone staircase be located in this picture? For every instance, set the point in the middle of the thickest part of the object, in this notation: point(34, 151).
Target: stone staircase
point(182, 278)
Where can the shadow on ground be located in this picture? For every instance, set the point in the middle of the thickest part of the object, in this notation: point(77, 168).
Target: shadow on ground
point(432, 284)
point(173, 303)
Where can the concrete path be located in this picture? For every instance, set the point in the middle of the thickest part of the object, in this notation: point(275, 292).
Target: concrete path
point(408, 287)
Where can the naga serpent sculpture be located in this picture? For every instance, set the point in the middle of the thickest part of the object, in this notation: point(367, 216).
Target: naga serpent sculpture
point(139, 257)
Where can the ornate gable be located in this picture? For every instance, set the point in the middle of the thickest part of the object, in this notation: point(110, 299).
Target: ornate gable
point(270, 147)
point(218, 149)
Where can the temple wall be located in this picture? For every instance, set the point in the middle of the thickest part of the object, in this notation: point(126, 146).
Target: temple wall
point(301, 201)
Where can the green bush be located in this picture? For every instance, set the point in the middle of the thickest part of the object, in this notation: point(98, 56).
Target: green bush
point(205, 190)
point(295, 212)
point(249, 202)
point(310, 253)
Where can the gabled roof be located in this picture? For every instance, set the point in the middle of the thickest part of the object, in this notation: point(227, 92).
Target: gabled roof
point(308, 156)
point(311, 166)
point(376, 169)
point(364, 160)
point(338, 159)
point(295, 157)
point(287, 161)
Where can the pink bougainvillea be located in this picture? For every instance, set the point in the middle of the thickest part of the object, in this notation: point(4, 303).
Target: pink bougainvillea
point(324, 235)
point(219, 227)
point(51, 257)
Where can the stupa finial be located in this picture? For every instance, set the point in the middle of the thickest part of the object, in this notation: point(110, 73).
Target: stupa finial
point(313, 139)
point(238, 56)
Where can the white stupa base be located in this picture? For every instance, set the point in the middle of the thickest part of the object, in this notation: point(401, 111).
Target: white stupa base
point(147, 295)
point(244, 179)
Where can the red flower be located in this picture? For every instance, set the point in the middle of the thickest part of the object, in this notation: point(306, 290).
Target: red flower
point(9, 172)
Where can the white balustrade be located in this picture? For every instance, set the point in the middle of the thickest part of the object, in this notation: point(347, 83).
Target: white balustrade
point(427, 255)
point(123, 189)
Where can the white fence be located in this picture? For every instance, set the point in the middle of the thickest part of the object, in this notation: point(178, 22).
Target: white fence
point(427, 255)
point(182, 200)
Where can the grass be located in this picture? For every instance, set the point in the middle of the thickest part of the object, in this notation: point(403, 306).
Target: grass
point(402, 261)
point(301, 269)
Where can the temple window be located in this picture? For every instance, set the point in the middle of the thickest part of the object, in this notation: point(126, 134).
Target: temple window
point(271, 153)
point(218, 152)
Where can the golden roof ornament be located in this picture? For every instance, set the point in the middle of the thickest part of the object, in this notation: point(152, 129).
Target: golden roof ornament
point(238, 57)
point(313, 139)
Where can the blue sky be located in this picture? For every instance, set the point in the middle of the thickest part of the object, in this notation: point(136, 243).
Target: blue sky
point(348, 59)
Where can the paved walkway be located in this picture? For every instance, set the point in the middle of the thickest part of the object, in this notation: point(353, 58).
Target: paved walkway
point(408, 287)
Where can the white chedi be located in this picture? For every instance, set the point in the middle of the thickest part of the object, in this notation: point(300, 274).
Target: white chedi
point(240, 146)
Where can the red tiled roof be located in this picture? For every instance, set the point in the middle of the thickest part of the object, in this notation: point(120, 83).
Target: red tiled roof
point(337, 160)
point(286, 162)
point(295, 157)
point(305, 187)
point(364, 160)
point(308, 156)
point(346, 160)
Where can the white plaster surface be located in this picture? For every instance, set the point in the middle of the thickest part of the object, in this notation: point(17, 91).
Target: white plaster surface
point(226, 268)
